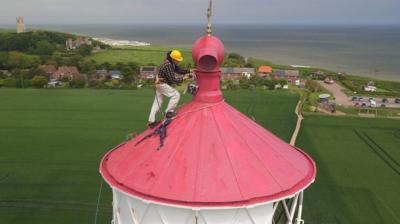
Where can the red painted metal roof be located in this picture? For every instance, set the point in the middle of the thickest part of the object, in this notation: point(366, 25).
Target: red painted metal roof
point(213, 156)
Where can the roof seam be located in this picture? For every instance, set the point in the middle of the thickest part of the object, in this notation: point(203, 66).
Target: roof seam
point(229, 158)
point(179, 141)
point(255, 154)
point(288, 161)
point(199, 160)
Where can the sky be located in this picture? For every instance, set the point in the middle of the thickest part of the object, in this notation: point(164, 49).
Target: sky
point(193, 11)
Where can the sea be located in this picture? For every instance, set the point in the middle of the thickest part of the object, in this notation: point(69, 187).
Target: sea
point(364, 50)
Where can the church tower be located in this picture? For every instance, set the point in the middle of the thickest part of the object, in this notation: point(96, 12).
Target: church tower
point(20, 25)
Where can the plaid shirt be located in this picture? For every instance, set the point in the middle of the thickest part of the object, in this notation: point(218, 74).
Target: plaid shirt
point(167, 73)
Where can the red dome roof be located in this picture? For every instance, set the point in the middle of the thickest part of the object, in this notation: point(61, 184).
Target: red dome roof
point(213, 155)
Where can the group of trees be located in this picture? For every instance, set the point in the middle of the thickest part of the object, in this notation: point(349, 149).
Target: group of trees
point(254, 82)
point(29, 50)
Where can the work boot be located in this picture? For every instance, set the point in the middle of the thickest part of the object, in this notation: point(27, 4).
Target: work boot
point(153, 124)
point(170, 114)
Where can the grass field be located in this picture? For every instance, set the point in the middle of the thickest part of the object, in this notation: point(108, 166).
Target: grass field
point(3, 30)
point(143, 55)
point(51, 143)
point(358, 163)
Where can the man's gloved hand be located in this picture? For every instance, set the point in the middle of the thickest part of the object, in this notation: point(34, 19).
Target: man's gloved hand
point(186, 77)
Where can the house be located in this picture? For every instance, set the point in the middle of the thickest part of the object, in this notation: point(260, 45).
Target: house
point(148, 72)
point(48, 69)
point(71, 44)
point(115, 75)
point(292, 76)
point(66, 71)
point(264, 71)
point(236, 73)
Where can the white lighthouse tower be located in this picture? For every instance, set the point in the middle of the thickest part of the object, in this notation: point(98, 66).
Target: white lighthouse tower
point(214, 166)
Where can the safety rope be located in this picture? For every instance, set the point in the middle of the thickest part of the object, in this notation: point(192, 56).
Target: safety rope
point(192, 111)
point(98, 201)
point(162, 129)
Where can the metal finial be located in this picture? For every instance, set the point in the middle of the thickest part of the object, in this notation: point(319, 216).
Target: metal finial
point(209, 14)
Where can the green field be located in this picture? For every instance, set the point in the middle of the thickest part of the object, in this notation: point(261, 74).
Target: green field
point(143, 55)
point(358, 163)
point(51, 142)
point(3, 30)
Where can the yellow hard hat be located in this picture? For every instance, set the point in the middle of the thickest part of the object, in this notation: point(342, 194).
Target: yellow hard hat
point(176, 55)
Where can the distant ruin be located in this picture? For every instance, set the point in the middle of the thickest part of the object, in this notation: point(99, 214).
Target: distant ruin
point(20, 24)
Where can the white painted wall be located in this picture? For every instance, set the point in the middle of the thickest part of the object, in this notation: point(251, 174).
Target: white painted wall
point(131, 210)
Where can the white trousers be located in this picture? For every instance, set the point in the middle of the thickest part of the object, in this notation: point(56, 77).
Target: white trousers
point(168, 91)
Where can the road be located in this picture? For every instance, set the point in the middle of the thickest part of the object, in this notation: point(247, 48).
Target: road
point(344, 100)
point(341, 98)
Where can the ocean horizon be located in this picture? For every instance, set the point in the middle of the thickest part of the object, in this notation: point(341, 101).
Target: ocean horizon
point(364, 50)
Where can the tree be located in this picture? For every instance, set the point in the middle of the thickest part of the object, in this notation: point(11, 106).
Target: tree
point(313, 86)
point(21, 60)
point(87, 66)
point(9, 82)
point(244, 83)
point(127, 74)
point(44, 47)
point(234, 60)
point(85, 50)
point(39, 81)
point(105, 65)
point(78, 82)
point(282, 82)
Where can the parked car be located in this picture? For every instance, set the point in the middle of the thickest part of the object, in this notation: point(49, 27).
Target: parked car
point(397, 100)
point(385, 100)
point(363, 105)
point(354, 98)
point(370, 99)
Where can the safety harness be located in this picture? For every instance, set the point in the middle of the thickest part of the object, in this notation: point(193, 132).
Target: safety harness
point(161, 131)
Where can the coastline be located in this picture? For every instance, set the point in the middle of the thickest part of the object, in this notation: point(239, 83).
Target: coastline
point(113, 42)
point(311, 46)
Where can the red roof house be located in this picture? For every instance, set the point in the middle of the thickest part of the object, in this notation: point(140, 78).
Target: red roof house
point(66, 71)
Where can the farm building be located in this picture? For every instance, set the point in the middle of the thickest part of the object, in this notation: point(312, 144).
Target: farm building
point(66, 71)
point(292, 76)
point(236, 73)
point(148, 72)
